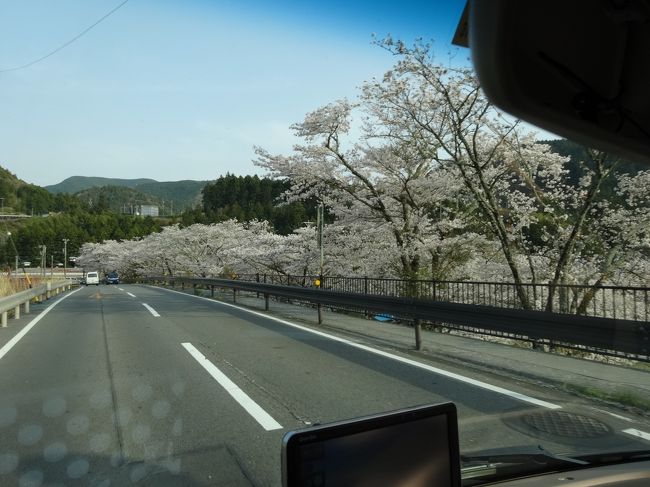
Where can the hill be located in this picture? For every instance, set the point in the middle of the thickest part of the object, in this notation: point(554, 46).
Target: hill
point(18, 196)
point(74, 184)
point(173, 195)
point(118, 199)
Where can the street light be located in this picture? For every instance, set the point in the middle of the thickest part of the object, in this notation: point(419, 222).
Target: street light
point(65, 257)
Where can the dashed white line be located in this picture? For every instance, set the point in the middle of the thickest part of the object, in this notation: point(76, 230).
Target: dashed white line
point(130, 294)
point(121, 289)
point(391, 356)
point(251, 407)
point(637, 433)
point(151, 310)
point(10, 344)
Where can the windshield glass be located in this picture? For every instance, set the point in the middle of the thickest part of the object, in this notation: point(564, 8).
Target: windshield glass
point(314, 214)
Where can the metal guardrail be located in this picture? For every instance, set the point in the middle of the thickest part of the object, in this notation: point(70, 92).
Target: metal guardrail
point(23, 298)
point(606, 335)
point(626, 302)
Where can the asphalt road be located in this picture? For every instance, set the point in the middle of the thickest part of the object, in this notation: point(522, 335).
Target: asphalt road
point(120, 385)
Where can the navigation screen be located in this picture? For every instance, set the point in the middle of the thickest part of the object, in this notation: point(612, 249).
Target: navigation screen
point(415, 452)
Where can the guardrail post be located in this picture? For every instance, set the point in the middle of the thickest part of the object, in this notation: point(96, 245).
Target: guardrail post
point(3, 320)
point(234, 295)
point(266, 301)
point(194, 289)
point(418, 334)
point(182, 285)
point(320, 313)
point(17, 312)
point(27, 306)
point(212, 290)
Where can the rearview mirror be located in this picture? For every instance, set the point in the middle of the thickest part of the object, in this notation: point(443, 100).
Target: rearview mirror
point(578, 68)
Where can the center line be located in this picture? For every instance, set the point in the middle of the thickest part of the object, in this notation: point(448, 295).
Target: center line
point(132, 295)
point(151, 310)
point(251, 407)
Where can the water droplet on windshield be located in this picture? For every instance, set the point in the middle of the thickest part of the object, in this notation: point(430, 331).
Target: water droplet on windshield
point(33, 478)
point(54, 407)
point(30, 435)
point(78, 425)
point(178, 388)
point(55, 452)
point(177, 429)
point(100, 442)
point(78, 468)
point(8, 416)
point(8, 463)
point(161, 409)
point(138, 473)
point(142, 392)
point(141, 433)
point(100, 399)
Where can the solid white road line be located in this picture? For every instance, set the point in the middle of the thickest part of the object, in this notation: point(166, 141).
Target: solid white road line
point(637, 433)
point(10, 344)
point(251, 407)
point(151, 310)
point(397, 358)
point(614, 415)
point(132, 295)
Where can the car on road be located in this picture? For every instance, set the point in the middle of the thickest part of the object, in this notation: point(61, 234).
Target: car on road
point(112, 278)
point(92, 278)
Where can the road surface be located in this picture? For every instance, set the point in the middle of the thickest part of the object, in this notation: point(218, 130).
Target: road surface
point(120, 385)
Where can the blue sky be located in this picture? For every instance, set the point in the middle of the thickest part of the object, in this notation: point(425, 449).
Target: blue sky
point(183, 89)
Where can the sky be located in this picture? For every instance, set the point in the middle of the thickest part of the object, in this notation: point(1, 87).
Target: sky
point(185, 89)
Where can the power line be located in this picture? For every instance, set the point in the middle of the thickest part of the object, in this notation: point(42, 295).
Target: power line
point(66, 44)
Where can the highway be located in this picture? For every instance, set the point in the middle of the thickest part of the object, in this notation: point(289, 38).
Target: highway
point(121, 385)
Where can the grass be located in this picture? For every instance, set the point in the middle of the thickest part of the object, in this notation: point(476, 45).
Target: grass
point(621, 397)
point(12, 285)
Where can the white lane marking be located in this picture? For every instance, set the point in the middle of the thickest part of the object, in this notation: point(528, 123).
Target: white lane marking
point(132, 295)
point(251, 407)
point(120, 289)
point(397, 358)
point(10, 344)
point(637, 433)
point(151, 310)
point(617, 416)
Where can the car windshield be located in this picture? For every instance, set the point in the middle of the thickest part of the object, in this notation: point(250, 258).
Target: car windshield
point(315, 214)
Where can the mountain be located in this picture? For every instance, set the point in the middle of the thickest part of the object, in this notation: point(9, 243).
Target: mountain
point(180, 194)
point(172, 195)
point(119, 199)
point(17, 196)
point(74, 184)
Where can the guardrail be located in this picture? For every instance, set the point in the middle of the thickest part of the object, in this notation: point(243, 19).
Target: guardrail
point(626, 302)
point(608, 336)
point(23, 298)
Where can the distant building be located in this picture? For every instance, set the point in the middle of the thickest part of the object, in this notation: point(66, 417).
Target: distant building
point(147, 210)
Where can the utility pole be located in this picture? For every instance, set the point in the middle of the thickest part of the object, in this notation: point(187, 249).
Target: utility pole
point(43, 259)
point(51, 266)
point(320, 223)
point(65, 257)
